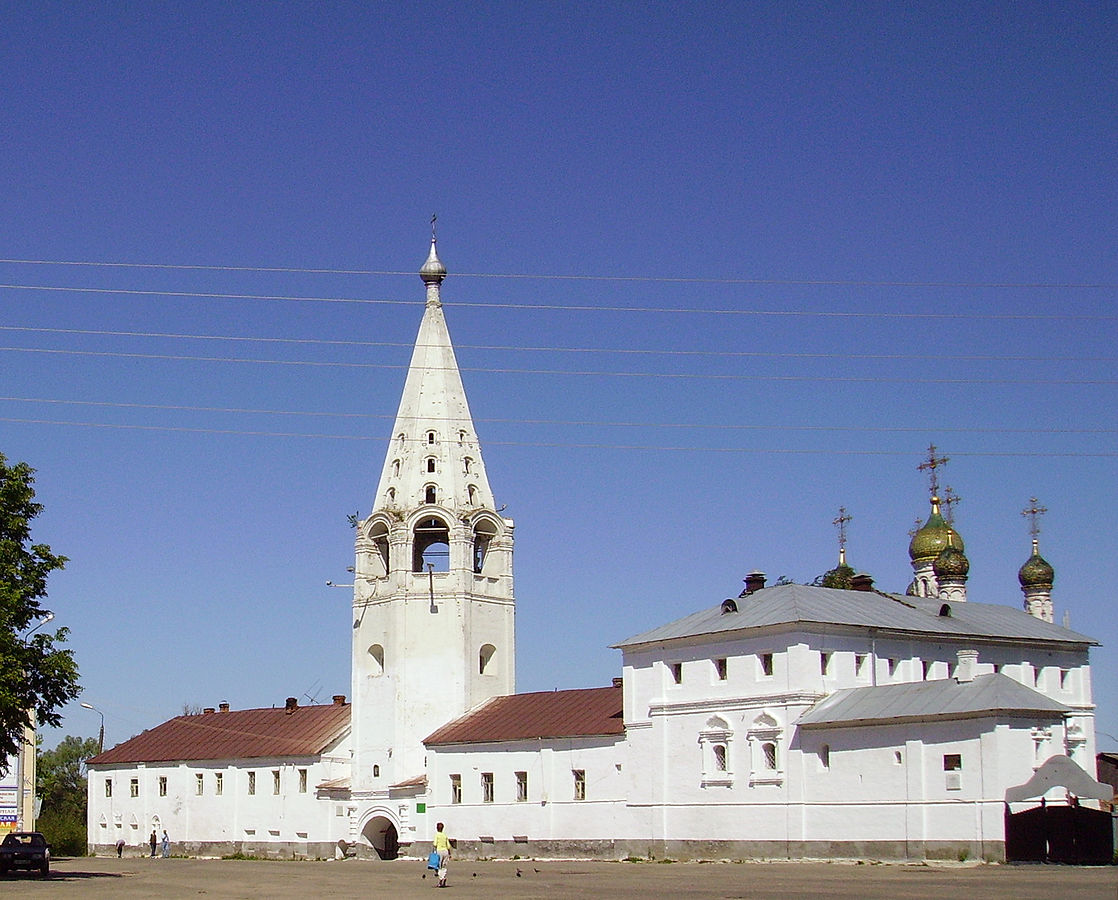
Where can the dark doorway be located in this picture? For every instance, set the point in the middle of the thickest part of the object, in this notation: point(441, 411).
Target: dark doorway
point(1059, 834)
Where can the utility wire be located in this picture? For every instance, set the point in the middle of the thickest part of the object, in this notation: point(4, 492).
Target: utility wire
point(580, 423)
point(579, 445)
point(598, 308)
point(588, 373)
point(627, 351)
point(536, 276)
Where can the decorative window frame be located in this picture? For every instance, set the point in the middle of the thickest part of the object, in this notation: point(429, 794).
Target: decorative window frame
point(716, 734)
point(765, 730)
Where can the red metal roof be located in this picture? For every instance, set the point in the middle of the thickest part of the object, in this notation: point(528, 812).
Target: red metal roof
point(238, 734)
point(547, 714)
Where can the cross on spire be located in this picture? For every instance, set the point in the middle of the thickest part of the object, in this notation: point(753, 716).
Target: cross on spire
point(1032, 514)
point(950, 498)
point(433, 219)
point(917, 524)
point(840, 523)
point(930, 465)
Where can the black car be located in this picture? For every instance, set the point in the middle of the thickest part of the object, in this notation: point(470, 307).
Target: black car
point(25, 850)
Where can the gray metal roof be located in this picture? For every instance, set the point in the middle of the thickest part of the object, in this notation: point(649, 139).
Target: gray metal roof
point(800, 604)
point(924, 700)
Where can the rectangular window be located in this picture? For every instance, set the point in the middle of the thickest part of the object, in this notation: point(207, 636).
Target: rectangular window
point(720, 668)
point(891, 666)
point(198, 783)
point(952, 769)
point(486, 787)
point(108, 787)
point(275, 781)
point(925, 668)
point(521, 786)
point(766, 660)
point(580, 783)
point(825, 756)
point(677, 672)
point(217, 783)
point(1065, 679)
point(825, 664)
point(861, 665)
point(302, 781)
point(251, 783)
point(134, 787)
point(162, 785)
point(952, 762)
point(455, 788)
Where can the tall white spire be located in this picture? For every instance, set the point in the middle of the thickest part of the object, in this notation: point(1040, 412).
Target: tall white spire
point(433, 601)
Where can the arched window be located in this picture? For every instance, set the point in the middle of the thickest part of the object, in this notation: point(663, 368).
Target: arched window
point(471, 491)
point(431, 546)
point(378, 534)
point(765, 737)
point(431, 437)
point(484, 532)
point(485, 664)
point(430, 464)
point(468, 463)
point(429, 494)
point(714, 743)
point(392, 495)
point(395, 468)
point(376, 660)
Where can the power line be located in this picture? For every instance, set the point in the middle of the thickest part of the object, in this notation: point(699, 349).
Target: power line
point(561, 307)
point(626, 351)
point(720, 426)
point(537, 276)
point(588, 373)
point(578, 445)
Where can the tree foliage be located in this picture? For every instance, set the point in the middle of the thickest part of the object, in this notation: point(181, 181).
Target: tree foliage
point(36, 675)
point(62, 785)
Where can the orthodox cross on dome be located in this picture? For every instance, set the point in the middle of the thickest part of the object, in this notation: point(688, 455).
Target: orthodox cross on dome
point(434, 218)
point(930, 465)
point(950, 498)
point(1032, 514)
point(840, 523)
point(917, 524)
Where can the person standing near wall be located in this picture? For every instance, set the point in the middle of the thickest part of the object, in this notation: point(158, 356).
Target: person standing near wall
point(442, 847)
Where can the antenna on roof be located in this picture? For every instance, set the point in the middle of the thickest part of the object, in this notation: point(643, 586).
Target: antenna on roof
point(316, 687)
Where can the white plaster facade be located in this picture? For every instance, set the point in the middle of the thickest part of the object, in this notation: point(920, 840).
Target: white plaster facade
point(717, 756)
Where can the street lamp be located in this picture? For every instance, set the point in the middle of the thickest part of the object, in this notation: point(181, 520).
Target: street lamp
point(101, 733)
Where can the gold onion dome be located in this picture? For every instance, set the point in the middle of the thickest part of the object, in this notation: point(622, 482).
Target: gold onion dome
point(951, 563)
point(934, 537)
point(433, 271)
point(1036, 572)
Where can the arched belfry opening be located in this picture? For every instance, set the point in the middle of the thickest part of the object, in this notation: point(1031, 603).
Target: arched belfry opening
point(431, 545)
point(378, 534)
point(484, 533)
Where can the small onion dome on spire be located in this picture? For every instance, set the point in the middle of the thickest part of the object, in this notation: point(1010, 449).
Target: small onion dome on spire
point(1036, 572)
point(934, 537)
point(951, 563)
point(433, 271)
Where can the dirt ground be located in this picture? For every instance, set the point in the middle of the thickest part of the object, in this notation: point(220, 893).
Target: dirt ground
point(91, 879)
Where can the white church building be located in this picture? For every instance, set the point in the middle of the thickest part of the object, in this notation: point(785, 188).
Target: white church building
point(791, 721)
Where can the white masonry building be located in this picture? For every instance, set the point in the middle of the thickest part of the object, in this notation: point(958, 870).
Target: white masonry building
point(791, 721)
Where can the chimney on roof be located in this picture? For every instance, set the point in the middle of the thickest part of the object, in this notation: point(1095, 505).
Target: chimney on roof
point(339, 699)
point(207, 710)
point(968, 662)
point(754, 581)
point(618, 682)
point(861, 582)
point(223, 706)
point(291, 705)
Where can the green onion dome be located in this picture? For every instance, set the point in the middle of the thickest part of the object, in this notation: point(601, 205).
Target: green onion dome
point(935, 537)
point(1036, 572)
point(951, 563)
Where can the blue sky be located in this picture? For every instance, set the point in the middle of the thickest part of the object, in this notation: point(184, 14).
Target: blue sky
point(716, 270)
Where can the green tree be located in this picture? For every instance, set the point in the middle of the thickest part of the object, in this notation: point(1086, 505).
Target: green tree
point(36, 675)
point(62, 785)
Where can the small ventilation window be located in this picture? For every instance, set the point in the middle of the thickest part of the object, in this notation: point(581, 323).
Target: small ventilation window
point(766, 660)
point(945, 610)
point(729, 606)
point(468, 463)
point(376, 660)
point(825, 756)
point(720, 668)
point(430, 437)
point(677, 672)
point(396, 468)
point(485, 665)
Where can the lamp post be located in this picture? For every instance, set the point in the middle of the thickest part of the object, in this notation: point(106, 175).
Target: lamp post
point(101, 733)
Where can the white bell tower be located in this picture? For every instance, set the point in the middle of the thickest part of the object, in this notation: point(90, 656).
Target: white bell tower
point(433, 602)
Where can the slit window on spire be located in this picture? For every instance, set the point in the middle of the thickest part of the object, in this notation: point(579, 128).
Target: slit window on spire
point(431, 437)
point(430, 464)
